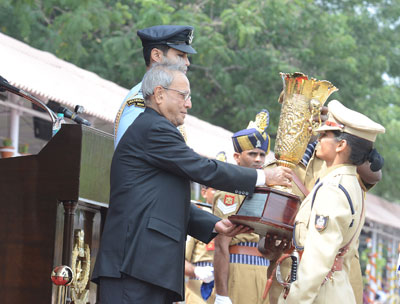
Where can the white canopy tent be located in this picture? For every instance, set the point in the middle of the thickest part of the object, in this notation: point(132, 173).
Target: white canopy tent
point(49, 78)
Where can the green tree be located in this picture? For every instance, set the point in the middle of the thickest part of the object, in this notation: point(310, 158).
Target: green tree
point(242, 47)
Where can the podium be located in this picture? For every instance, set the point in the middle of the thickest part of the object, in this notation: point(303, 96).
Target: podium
point(52, 209)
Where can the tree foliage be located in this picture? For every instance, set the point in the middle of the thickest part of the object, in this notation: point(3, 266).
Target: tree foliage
point(242, 46)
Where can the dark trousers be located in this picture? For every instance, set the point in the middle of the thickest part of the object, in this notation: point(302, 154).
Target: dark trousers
point(128, 290)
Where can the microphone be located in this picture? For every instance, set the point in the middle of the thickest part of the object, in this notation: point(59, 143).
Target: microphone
point(71, 115)
point(5, 86)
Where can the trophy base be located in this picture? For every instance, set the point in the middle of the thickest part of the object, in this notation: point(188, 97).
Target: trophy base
point(285, 163)
point(263, 227)
point(269, 211)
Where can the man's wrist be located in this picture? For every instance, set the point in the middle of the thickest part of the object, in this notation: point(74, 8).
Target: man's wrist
point(260, 177)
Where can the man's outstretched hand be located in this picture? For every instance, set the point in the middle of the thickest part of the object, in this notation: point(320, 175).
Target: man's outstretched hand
point(279, 176)
point(226, 227)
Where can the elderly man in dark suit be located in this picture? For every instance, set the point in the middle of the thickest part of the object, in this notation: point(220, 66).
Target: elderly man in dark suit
point(141, 256)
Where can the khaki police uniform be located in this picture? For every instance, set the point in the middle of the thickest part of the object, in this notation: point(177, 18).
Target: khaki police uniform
point(330, 218)
point(199, 254)
point(308, 175)
point(327, 221)
point(247, 273)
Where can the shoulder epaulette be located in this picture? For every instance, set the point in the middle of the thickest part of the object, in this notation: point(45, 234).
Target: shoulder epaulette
point(269, 162)
point(346, 193)
point(131, 99)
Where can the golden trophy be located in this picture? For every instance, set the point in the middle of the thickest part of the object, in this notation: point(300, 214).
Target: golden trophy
point(302, 100)
point(273, 210)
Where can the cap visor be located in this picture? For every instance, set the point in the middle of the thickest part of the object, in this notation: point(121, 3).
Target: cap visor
point(183, 48)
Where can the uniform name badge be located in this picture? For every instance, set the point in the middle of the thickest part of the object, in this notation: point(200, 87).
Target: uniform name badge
point(137, 102)
point(321, 222)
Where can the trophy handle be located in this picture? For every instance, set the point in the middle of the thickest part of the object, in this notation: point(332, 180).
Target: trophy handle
point(315, 109)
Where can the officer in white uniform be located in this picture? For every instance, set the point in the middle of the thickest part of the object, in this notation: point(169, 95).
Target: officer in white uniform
point(330, 219)
point(161, 43)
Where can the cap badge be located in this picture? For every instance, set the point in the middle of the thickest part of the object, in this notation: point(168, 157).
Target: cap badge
point(334, 124)
point(189, 37)
point(258, 144)
point(321, 222)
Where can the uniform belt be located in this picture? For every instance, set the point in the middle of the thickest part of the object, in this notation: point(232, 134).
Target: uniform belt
point(337, 266)
point(202, 264)
point(236, 249)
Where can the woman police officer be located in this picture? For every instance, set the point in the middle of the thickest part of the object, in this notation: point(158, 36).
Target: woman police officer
point(331, 217)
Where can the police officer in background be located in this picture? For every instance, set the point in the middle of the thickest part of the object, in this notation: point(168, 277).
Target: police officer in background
point(161, 43)
point(331, 217)
point(240, 270)
point(199, 258)
point(199, 262)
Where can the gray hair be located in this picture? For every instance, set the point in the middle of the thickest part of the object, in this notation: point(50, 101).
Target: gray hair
point(160, 74)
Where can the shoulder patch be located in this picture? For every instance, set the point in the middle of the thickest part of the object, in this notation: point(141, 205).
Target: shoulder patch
point(210, 246)
point(225, 209)
point(229, 200)
point(269, 163)
point(137, 102)
point(321, 222)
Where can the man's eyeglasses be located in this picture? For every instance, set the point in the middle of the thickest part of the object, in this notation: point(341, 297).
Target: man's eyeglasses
point(185, 95)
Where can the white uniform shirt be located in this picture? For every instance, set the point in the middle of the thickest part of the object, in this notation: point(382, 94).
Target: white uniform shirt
point(127, 113)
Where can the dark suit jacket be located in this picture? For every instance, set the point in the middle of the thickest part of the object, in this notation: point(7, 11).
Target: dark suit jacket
point(150, 212)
